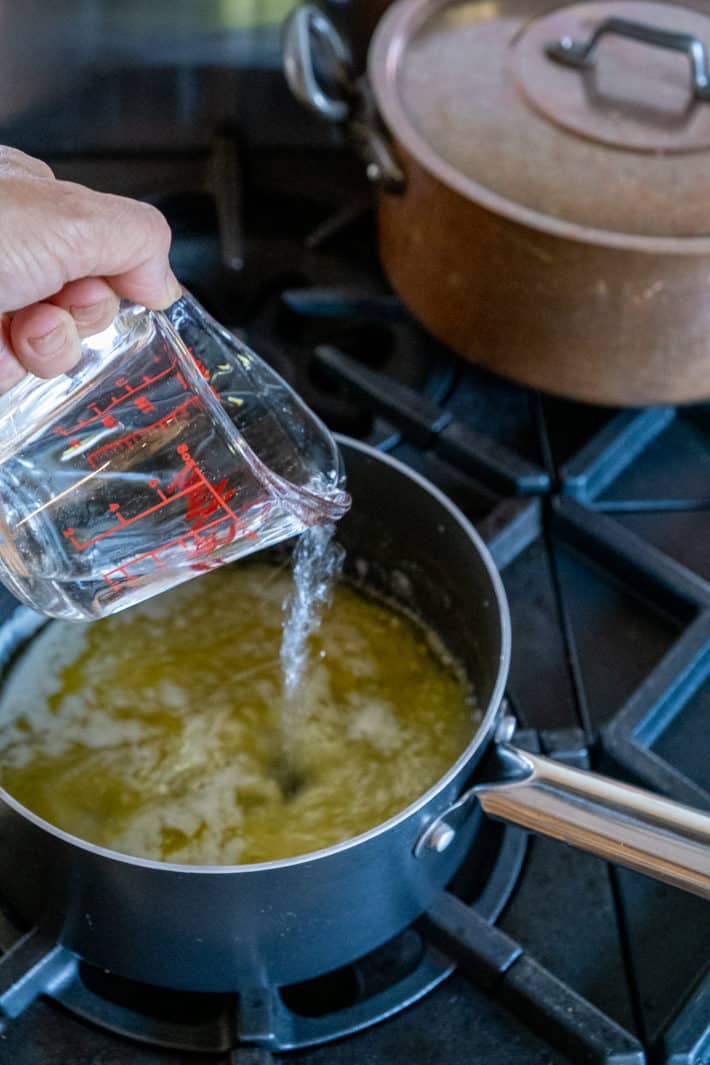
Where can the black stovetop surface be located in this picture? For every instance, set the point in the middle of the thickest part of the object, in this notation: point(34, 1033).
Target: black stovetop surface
point(600, 522)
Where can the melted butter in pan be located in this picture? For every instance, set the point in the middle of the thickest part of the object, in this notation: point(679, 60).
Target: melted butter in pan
point(162, 732)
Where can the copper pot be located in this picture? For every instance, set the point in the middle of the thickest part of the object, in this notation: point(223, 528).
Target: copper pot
point(542, 203)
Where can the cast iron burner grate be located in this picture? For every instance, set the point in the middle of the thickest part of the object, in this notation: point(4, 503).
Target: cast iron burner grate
point(367, 322)
point(337, 1004)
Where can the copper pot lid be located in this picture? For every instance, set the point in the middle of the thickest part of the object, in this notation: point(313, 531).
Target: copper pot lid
point(591, 120)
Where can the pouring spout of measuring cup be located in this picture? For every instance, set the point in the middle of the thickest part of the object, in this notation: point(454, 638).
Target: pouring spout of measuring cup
point(286, 444)
point(171, 449)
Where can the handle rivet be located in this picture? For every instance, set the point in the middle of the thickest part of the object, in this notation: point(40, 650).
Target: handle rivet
point(440, 837)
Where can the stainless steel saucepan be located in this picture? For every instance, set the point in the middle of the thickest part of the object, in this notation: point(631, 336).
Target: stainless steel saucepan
point(233, 928)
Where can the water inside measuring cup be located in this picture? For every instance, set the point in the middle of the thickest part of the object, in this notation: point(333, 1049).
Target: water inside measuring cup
point(136, 488)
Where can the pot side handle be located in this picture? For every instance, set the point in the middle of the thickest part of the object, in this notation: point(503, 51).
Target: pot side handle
point(318, 69)
point(306, 30)
point(615, 821)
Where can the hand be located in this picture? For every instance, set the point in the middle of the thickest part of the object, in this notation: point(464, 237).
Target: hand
point(67, 254)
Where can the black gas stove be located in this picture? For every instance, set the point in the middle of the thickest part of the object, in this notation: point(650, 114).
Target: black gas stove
point(600, 523)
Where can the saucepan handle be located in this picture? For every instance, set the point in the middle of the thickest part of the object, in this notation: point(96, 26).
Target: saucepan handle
point(624, 824)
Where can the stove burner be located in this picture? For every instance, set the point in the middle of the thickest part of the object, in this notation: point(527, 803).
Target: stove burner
point(334, 1005)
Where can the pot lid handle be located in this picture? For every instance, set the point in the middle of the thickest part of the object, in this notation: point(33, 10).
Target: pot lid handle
point(580, 54)
point(621, 94)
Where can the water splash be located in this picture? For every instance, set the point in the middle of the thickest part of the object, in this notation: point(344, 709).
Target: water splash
point(317, 562)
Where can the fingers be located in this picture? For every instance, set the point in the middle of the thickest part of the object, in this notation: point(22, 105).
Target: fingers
point(53, 233)
point(67, 254)
point(92, 303)
point(45, 340)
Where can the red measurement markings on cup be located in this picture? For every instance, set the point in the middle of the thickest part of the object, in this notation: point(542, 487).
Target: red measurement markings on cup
point(213, 523)
point(126, 443)
point(96, 414)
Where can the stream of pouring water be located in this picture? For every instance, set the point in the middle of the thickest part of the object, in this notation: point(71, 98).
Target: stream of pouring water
point(317, 562)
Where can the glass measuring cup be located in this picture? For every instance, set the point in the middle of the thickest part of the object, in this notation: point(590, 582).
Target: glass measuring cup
point(170, 450)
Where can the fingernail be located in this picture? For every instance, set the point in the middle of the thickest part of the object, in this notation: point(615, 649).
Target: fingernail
point(92, 315)
point(173, 286)
point(51, 343)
